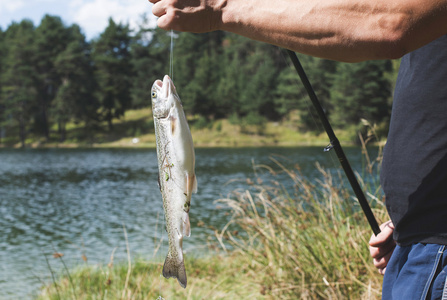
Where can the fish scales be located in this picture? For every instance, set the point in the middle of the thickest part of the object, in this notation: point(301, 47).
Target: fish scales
point(177, 180)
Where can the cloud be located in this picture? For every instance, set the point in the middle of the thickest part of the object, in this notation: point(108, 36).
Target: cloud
point(34, 10)
point(93, 15)
point(11, 6)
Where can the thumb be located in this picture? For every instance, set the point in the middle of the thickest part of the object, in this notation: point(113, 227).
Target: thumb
point(384, 236)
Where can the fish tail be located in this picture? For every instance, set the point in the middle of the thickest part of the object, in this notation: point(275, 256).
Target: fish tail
point(175, 267)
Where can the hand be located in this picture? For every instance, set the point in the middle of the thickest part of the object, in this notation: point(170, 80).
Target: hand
point(382, 246)
point(189, 15)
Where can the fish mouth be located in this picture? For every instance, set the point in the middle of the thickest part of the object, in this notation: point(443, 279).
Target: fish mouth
point(158, 83)
point(163, 88)
point(162, 104)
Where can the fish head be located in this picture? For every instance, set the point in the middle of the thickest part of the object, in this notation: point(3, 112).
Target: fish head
point(164, 97)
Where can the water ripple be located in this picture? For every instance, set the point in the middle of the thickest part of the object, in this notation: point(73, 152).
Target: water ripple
point(76, 202)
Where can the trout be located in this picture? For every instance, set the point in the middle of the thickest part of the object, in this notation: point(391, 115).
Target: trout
point(176, 176)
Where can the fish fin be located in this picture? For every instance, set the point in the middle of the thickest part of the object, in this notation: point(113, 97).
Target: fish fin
point(158, 181)
point(191, 184)
point(186, 225)
point(175, 267)
point(194, 187)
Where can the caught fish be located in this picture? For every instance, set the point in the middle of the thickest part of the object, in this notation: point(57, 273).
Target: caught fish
point(176, 177)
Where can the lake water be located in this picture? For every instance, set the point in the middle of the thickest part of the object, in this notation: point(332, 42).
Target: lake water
point(76, 202)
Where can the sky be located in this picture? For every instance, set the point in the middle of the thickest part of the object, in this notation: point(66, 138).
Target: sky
point(91, 15)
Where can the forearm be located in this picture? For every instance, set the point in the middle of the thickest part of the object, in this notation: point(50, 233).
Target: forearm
point(346, 30)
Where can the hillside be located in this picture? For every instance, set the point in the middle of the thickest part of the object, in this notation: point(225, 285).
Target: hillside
point(136, 129)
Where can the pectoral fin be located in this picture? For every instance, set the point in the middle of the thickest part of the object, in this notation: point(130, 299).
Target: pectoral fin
point(173, 124)
point(191, 184)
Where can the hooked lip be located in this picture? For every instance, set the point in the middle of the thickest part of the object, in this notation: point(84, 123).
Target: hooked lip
point(163, 87)
point(168, 85)
point(163, 90)
point(166, 79)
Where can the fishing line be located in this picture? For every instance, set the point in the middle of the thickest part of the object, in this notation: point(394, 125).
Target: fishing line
point(171, 56)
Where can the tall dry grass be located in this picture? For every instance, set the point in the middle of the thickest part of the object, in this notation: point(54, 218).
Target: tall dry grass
point(310, 242)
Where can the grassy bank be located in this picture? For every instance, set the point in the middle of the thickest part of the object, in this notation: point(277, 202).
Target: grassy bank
point(136, 129)
point(210, 278)
point(305, 242)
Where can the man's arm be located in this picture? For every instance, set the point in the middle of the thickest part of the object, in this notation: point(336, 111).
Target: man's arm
point(345, 30)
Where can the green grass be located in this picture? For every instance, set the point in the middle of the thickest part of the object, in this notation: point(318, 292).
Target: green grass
point(307, 242)
point(208, 278)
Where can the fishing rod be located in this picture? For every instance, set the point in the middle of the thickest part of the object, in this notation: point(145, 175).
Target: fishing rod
point(335, 144)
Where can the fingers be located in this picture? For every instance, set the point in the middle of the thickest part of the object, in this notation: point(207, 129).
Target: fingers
point(196, 16)
point(158, 9)
point(164, 22)
point(382, 251)
point(381, 267)
point(383, 243)
point(165, 15)
point(384, 236)
point(382, 262)
point(382, 246)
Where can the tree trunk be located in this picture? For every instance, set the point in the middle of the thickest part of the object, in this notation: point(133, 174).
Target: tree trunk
point(109, 122)
point(62, 131)
point(22, 132)
point(46, 130)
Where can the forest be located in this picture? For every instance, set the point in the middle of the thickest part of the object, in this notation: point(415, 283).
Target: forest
point(50, 76)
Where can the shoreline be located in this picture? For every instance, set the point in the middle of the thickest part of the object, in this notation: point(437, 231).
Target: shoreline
point(153, 145)
point(216, 134)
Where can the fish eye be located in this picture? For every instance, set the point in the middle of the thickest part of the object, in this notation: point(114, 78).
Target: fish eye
point(154, 94)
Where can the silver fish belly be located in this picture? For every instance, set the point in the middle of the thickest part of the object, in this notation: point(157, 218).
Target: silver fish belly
point(177, 180)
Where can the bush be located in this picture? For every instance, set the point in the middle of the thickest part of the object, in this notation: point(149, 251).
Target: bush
point(202, 123)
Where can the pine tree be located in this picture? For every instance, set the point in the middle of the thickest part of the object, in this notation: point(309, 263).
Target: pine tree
point(249, 78)
point(361, 91)
point(201, 90)
point(196, 71)
point(52, 37)
point(321, 74)
point(113, 72)
point(75, 99)
point(18, 80)
point(2, 68)
point(150, 61)
point(229, 86)
point(260, 72)
point(289, 93)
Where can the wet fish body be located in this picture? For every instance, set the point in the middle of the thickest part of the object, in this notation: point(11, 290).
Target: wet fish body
point(177, 180)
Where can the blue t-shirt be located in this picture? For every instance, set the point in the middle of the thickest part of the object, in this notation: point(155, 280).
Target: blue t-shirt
point(414, 169)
